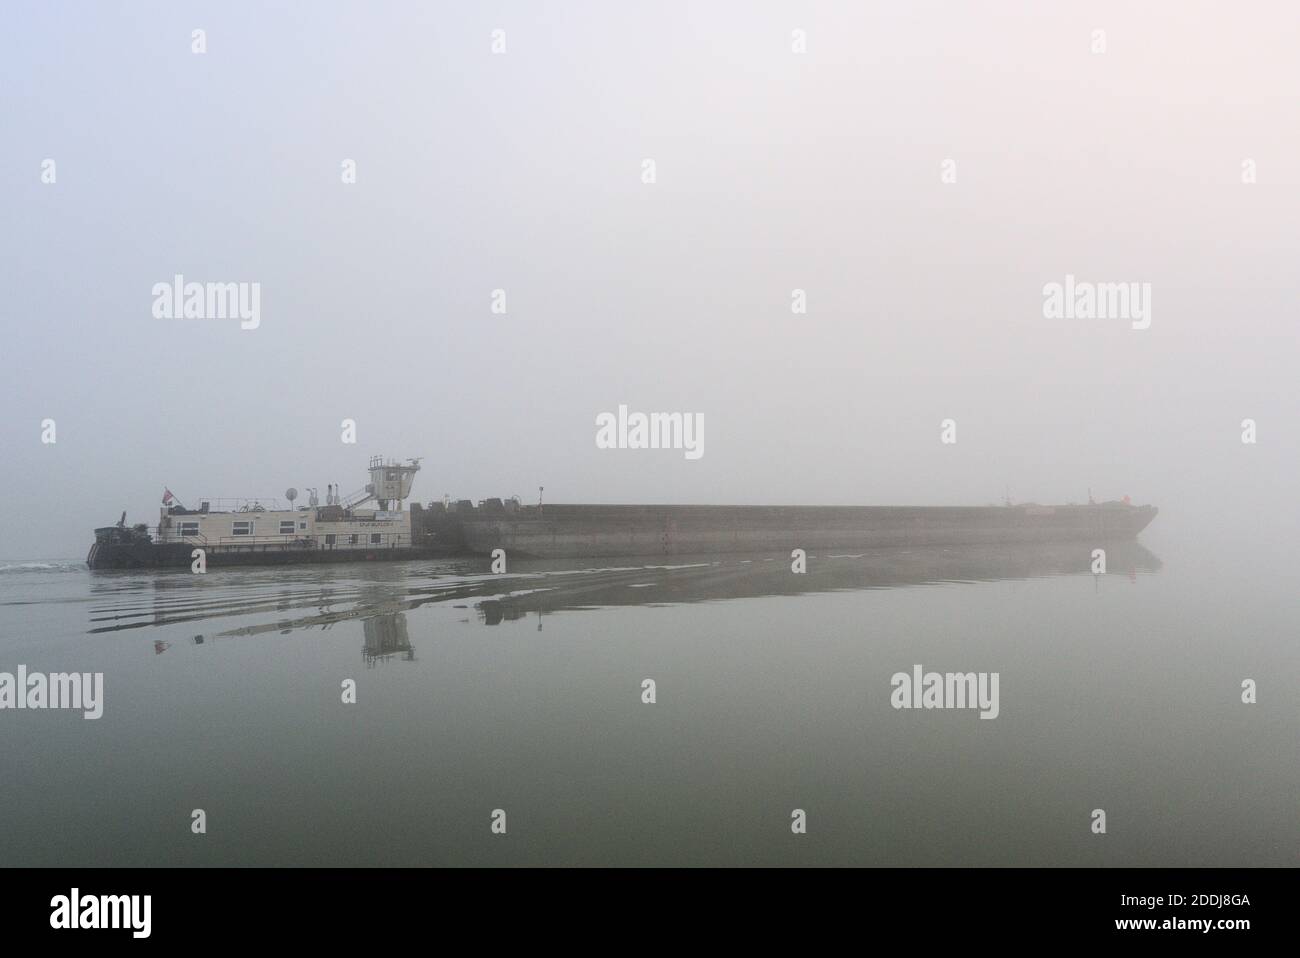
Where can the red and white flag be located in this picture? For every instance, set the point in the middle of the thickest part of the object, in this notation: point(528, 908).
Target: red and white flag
point(167, 496)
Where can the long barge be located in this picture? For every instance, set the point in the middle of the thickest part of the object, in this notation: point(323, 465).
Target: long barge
point(372, 525)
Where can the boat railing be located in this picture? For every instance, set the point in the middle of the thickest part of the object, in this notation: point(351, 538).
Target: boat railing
point(328, 541)
point(247, 504)
point(355, 498)
point(289, 540)
point(165, 535)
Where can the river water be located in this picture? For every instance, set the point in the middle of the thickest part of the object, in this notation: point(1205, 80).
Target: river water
point(523, 692)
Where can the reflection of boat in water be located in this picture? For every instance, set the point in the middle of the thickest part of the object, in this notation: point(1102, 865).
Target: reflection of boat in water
point(732, 577)
point(377, 596)
point(386, 636)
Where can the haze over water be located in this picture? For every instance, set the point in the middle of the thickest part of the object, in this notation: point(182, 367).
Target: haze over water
point(820, 172)
point(523, 692)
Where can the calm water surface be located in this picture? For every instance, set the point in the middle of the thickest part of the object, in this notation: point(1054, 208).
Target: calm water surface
point(523, 692)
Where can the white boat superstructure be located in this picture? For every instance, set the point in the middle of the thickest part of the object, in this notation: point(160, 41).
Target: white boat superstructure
point(370, 519)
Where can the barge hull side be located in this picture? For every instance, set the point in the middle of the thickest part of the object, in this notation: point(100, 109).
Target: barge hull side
point(589, 531)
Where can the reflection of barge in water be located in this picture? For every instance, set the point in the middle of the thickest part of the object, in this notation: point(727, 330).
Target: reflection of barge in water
point(371, 525)
point(380, 599)
point(553, 586)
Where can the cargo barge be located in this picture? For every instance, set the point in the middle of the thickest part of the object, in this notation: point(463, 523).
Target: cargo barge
point(372, 525)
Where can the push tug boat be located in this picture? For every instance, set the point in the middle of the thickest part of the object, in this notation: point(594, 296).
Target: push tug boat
point(371, 525)
point(368, 525)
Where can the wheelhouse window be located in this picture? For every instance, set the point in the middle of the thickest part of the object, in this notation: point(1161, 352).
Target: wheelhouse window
point(286, 527)
point(242, 527)
point(329, 539)
point(302, 527)
point(187, 529)
point(352, 539)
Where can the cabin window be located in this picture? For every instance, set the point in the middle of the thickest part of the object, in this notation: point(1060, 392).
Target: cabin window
point(352, 539)
point(374, 538)
point(302, 527)
point(242, 527)
point(286, 527)
point(329, 539)
point(185, 529)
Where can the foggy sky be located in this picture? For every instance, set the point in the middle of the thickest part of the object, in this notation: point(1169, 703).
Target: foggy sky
point(776, 171)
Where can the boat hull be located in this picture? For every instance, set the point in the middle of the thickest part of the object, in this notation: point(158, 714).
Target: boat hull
point(152, 555)
point(579, 531)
